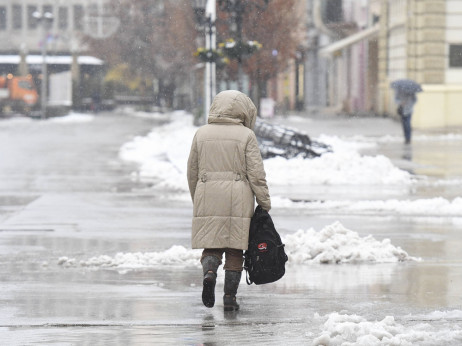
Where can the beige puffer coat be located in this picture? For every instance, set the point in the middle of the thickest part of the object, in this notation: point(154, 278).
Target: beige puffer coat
point(225, 174)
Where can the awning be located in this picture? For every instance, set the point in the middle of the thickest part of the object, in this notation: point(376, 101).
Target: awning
point(51, 59)
point(350, 40)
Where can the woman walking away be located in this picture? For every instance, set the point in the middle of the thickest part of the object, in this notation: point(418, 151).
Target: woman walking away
point(225, 175)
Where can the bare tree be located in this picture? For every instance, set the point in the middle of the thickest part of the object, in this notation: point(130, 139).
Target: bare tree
point(155, 39)
point(277, 27)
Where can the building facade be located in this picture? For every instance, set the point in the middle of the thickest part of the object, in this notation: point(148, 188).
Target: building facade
point(21, 31)
point(24, 31)
point(422, 40)
point(389, 40)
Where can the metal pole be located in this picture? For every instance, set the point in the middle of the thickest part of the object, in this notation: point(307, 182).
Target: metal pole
point(213, 44)
point(44, 86)
point(210, 44)
point(211, 63)
point(239, 10)
point(207, 77)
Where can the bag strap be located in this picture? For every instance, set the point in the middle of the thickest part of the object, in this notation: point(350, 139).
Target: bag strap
point(247, 279)
point(246, 268)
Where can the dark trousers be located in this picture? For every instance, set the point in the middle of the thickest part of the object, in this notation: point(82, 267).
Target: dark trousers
point(406, 121)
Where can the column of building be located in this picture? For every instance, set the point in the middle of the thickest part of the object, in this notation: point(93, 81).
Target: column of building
point(426, 41)
point(384, 94)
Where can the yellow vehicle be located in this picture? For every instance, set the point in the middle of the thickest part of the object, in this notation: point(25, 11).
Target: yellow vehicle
point(17, 94)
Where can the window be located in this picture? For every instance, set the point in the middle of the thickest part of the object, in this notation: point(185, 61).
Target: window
point(17, 17)
point(92, 18)
point(78, 17)
point(333, 11)
point(455, 55)
point(2, 18)
point(63, 18)
point(48, 8)
point(107, 9)
point(32, 22)
point(92, 10)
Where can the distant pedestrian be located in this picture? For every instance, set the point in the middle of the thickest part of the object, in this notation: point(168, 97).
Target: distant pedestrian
point(96, 102)
point(405, 90)
point(225, 174)
point(405, 102)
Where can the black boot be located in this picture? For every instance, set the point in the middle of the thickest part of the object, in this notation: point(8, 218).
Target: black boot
point(232, 279)
point(209, 265)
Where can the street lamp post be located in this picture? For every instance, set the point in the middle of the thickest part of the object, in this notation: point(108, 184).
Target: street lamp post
point(237, 8)
point(45, 19)
point(205, 12)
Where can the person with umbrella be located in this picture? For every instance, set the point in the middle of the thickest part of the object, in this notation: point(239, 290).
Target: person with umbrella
point(405, 90)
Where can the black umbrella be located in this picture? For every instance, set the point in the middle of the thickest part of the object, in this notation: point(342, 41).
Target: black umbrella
point(407, 86)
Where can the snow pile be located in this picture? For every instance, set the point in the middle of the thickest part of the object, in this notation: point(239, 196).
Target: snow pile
point(437, 206)
point(147, 115)
point(344, 166)
point(163, 155)
point(356, 330)
point(176, 255)
point(333, 244)
point(337, 244)
point(344, 144)
point(347, 168)
point(66, 261)
point(73, 118)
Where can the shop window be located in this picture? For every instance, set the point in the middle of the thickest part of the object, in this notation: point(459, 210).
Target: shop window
point(455, 55)
point(48, 8)
point(78, 17)
point(63, 18)
point(333, 11)
point(2, 18)
point(32, 22)
point(17, 17)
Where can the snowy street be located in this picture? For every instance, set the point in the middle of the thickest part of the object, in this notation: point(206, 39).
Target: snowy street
point(95, 222)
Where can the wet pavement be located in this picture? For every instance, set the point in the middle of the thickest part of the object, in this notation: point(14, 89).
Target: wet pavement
point(65, 192)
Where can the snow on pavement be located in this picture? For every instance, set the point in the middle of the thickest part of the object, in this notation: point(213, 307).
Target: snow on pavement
point(332, 245)
point(345, 330)
point(72, 118)
point(430, 207)
point(399, 139)
point(147, 115)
